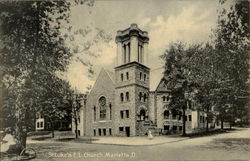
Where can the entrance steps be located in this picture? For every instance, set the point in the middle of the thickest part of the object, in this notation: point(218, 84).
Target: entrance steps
point(143, 127)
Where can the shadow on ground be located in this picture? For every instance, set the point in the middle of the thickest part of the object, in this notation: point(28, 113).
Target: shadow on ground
point(80, 140)
point(39, 133)
point(65, 139)
point(42, 138)
point(212, 132)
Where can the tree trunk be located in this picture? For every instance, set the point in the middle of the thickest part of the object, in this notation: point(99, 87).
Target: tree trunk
point(20, 132)
point(21, 137)
point(76, 130)
point(76, 120)
point(184, 122)
point(207, 129)
point(52, 129)
point(222, 126)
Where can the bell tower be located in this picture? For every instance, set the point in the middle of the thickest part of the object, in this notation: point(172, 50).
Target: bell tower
point(132, 46)
point(132, 81)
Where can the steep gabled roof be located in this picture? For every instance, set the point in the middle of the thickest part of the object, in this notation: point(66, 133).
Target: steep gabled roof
point(104, 79)
point(163, 86)
point(167, 86)
point(111, 75)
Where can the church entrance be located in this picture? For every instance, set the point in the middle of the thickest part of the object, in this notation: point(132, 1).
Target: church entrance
point(127, 130)
point(142, 115)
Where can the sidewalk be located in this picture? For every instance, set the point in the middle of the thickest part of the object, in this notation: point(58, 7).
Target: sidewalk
point(127, 141)
point(136, 141)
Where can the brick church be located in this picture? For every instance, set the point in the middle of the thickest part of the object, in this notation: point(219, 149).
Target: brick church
point(121, 103)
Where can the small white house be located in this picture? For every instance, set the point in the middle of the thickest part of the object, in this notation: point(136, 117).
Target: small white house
point(39, 123)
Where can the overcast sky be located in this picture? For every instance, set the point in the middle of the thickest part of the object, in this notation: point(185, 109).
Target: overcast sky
point(166, 22)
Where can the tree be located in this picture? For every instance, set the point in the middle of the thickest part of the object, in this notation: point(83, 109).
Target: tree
point(75, 104)
point(201, 68)
point(34, 54)
point(216, 75)
point(32, 49)
point(54, 103)
point(192, 77)
point(232, 49)
point(176, 75)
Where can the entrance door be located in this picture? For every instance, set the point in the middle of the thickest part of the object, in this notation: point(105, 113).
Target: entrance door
point(127, 130)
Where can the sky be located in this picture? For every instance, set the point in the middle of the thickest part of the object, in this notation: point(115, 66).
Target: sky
point(169, 21)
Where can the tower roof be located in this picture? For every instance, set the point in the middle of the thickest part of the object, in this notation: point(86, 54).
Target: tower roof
point(133, 30)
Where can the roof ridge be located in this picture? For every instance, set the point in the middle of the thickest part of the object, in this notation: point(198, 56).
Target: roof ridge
point(109, 72)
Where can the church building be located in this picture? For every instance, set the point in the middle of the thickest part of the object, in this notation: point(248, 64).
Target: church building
point(121, 103)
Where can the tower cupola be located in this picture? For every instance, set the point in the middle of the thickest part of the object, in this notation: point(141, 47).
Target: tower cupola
point(132, 46)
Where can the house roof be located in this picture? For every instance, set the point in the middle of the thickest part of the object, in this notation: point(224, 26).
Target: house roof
point(163, 86)
point(168, 86)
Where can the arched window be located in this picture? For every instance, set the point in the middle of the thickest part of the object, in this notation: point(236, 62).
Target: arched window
point(127, 96)
point(124, 53)
point(121, 97)
point(94, 113)
point(102, 104)
point(167, 98)
point(128, 52)
point(144, 97)
point(140, 96)
point(127, 75)
point(174, 114)
point(121, 77)
point(110, 111)
point(145, 76)
point(140, 53)
point(142, 114)
point(166, 114)
point(140, 75)
point(164, 98)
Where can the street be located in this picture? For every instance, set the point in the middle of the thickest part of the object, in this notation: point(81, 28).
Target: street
point(233, 145)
